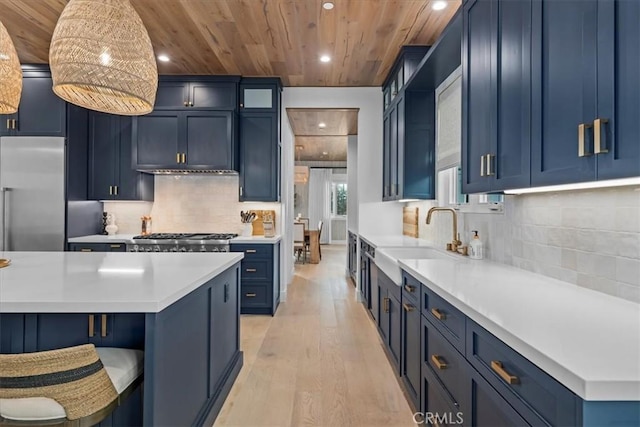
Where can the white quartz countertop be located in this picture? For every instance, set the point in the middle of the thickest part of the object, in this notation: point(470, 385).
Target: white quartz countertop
point(587, 340)
point(394, 241)
point(127, 238)
point(104, 282)
point(100, 238)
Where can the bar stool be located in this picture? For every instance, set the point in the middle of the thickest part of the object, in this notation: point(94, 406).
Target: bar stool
point(70, 387)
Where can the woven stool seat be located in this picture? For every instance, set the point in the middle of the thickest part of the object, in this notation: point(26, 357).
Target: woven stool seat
point(122, 367)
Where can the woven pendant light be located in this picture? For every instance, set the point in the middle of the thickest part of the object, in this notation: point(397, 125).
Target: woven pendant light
point(101, 58)
point(10, 74)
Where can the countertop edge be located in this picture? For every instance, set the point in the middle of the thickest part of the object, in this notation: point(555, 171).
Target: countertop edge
point(127, 238)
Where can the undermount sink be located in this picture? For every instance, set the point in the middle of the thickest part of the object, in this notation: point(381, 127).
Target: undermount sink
point(387, 259)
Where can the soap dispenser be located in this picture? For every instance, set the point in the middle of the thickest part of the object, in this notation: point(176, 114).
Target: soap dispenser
point(476, 247)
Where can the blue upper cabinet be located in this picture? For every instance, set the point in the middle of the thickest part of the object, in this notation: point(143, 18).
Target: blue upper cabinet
point(496, 106)
point(41, 112)
point(618, 153)
point(178, 92)
point(111, 176)
point(564, 64)
point(259, 140)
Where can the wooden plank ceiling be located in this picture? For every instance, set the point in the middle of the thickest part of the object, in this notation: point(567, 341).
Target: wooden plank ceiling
point(282, 38)
point(328, 143)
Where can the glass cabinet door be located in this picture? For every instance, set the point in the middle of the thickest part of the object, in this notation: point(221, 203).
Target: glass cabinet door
point(257, 98)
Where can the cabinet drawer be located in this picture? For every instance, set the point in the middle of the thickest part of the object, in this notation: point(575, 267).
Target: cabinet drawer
point(412, 288)
point(252, 252)
point(446, 318)
point(97, 247)
point(255, 296)
point(435, 406)
point(444, 361)
point(531, 391)
point(255, 270)
point(389, 285)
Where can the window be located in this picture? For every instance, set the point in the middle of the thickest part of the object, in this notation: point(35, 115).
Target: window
point(338, 199)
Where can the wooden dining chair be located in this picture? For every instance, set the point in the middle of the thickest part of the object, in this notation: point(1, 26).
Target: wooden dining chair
point(299, 240)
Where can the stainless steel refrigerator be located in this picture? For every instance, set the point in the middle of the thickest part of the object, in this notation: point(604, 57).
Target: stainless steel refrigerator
point(32, 193)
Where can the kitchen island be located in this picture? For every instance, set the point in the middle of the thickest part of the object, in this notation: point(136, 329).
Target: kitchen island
point(181, 309)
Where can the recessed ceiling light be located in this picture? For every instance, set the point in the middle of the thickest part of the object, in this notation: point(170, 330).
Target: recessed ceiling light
point(439, 5)
point(325, 58)
point(163, 58)
point(324, 153)
point(322, 125)
point(327, 5)
point(105, 58)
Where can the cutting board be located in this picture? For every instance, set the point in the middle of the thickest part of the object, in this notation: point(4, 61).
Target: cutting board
point(261, 216)
point(410, 218)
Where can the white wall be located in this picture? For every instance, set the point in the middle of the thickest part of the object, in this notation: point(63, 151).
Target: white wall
point(352, 183)
point(374, 217)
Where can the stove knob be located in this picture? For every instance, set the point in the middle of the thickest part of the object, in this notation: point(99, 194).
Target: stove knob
point(156, 248)
point(173, 250)
point(164, 250)
point(190, 250)
point(214, 249)
point(147, 249)
point(183, 249)
point(203, 248)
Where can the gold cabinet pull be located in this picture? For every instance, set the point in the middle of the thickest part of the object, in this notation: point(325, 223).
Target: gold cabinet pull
point(385, 304)
point(482, 166)
point(115, 246)
point(250, 251)
point(92, 325)
point(597, 136)
point(15, 124)
point(409, 288)
point(8, 123)
point(177, 157)
point(438, 314)
point(241, 190)
point(408, 307)
point(111, 190)
point(507, 377)
point(581, 144)
point(489, 171)
point(438, 361)
point(115, 190)
point(184, 158)
point(86, 250)
point(103, 325)
point(190, 103)
point(250, 295)
point(186, 103)
point(250, 270)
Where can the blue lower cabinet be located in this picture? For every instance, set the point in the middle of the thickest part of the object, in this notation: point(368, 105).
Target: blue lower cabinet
point(97, 247)
point(435, 405)
point(410, 330)
point(487, 407)
point(260, 277)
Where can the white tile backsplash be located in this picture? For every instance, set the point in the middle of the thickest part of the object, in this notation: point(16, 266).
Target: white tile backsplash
point(186, 203)
point(588, 237)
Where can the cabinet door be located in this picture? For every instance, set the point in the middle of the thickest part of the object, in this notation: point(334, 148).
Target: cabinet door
point(411, 349)
point(478, 92)
point(224, 327)
point(41, 112)
point(395, 330)
point(131, 184)
point(258, 157)
point(156, 140)
point(54, 330)
point(124, 330)
point(619, 88)
point(564, 90)
point(172, 96)
point(393, 153)
point(400, 147)
point(510, 156)
point(488, 408)
point(209, 139)
point(383, 317)
point(374, 296)
point(258, 97)
point(103, 154)
point(386, 162)
point(213, 95)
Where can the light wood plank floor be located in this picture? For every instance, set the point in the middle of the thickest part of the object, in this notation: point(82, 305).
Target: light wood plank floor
point(318, 362)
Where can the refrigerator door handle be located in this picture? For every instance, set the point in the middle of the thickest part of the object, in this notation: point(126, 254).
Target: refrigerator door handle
point(4, 244)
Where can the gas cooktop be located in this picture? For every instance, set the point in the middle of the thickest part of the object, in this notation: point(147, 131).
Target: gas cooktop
point(181, 242)
point(186, 236)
